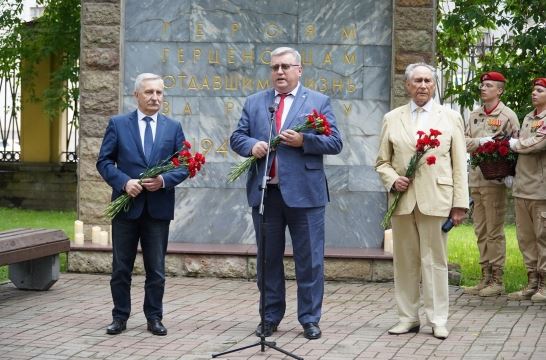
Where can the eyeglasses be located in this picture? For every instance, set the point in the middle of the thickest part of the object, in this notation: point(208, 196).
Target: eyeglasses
point(485, 86)
point(284, 67)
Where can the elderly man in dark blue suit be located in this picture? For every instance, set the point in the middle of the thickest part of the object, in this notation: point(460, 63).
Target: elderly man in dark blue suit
point(297, 190)
point(132, 143)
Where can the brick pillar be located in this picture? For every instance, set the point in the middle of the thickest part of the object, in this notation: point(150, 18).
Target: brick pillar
point(414, 40)
point(99, 86)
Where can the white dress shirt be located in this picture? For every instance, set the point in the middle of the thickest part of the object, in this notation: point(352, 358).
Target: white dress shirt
point(288, 101)
point(421, 122)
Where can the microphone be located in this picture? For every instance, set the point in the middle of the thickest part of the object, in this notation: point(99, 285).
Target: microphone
point(275, 106)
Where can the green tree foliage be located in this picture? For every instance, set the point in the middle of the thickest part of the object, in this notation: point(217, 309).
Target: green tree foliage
point(56, 35)
point(519, 52)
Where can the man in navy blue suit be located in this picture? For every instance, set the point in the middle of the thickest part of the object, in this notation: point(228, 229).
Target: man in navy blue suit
point(297, 191)
point(132, 143)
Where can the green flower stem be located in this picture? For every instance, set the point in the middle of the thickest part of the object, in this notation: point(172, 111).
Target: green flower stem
point(410, 172)
point(124, 201)
point(239, 169)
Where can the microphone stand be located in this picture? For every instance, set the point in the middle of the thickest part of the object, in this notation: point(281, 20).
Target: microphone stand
point(261, 250)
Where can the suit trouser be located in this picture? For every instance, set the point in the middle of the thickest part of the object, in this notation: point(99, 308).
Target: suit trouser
point(306, 226)
point(531, 232)
point(420, 256)
point(153, 235)
point(488, 218)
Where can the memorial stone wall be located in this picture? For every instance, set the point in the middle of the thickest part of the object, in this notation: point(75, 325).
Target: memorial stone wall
point(211, 55)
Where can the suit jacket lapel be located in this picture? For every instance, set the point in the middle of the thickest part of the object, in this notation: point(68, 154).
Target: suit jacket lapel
point(135, 133)
point(407, 125)
point(298, 102)
point(435, 116)
point(269, 101)
point(159, 130)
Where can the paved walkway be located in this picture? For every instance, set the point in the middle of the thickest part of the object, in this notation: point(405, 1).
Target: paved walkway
point(205, 316)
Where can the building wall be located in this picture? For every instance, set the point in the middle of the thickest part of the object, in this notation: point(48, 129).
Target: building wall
point(38, 186)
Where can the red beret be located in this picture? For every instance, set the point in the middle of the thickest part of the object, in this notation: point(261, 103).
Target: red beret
point(492, 75)
point(540, 81)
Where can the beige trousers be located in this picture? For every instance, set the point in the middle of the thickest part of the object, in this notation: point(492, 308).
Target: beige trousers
point(488, 218)
point(420, 256)
point(531, 232)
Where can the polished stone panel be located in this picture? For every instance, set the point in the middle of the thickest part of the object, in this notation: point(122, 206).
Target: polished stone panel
point(213, 54)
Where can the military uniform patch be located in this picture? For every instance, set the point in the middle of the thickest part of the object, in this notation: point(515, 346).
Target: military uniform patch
point(494, 122)
point(535, 124)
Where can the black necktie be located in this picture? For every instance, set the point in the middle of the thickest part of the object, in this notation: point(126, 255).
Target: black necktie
point(148, 138)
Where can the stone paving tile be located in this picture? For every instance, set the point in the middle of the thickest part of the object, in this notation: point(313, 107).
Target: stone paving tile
point(205, 316)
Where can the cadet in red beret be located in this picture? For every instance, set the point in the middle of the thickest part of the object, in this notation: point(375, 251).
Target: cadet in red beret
point(485, 122)
point(530, 195)
point(540, 82)
point(493, 76)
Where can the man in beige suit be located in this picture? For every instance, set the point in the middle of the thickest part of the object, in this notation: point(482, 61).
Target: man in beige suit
point(435, 193)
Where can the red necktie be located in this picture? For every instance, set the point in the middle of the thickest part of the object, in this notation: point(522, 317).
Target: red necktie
point(278, 122)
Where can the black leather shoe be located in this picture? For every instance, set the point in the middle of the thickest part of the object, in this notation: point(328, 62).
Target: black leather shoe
point(116, 327)
point(311, 331)
point(156, 327)
point(269, 329)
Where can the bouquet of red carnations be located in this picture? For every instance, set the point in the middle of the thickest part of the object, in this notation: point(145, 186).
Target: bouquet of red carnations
point(315, 121)
point(495, 159)
point(425, 142)
point(182, 157)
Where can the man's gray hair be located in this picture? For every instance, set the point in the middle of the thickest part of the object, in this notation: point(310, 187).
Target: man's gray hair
point(287, 50)
point(145, 76)
point(411, 68)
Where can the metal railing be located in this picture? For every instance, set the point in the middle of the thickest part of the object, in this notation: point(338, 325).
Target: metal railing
point(71, 132)
point(10, 124)
point(10, 149)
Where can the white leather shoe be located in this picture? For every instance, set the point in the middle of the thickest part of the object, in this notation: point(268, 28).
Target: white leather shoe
point(405, 327)
point(440, 332)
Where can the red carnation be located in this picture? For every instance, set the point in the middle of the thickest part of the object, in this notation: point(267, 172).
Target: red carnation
point(504, 150)
point(187, 144)
point(199, 157)
point(431, 160)
point(185, 154)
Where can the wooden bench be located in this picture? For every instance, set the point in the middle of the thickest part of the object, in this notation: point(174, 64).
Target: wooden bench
point(33, 256)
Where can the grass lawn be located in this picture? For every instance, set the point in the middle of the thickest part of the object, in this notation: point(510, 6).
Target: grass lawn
point(462, 248)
